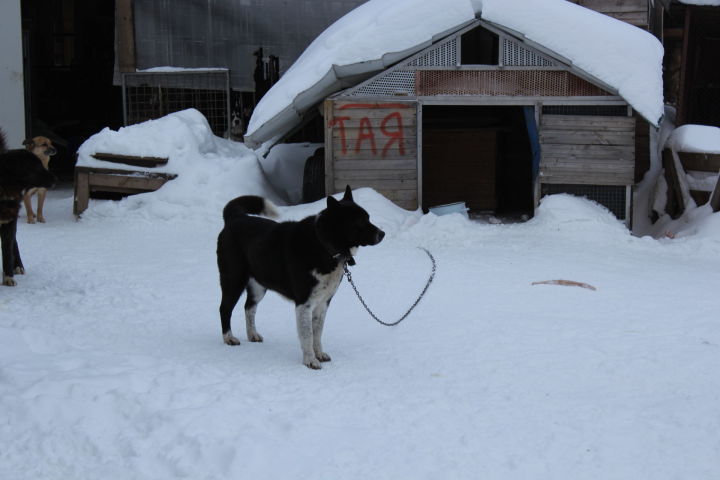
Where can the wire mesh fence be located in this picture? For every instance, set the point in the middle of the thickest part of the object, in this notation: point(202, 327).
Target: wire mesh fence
point(150, 95)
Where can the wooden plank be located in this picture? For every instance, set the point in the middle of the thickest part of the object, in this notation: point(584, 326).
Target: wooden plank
point(586, 121)
point(125, 31)
point(82, 193)
point(573, 179)
point(626, 153)
point(117, 171)
point(390, 154)
point(604, 6)
point(355, 175)
point(675, 205)
point(382, 184)
point(146, 162)
point(120, 182)
point(377, 115)
point(583, 137)
point(375, 164)
point(715, 196)
point(703, 162)
point(329, 152)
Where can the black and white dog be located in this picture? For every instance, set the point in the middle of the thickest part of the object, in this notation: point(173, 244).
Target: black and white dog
point(302, 261)
point(20, 170)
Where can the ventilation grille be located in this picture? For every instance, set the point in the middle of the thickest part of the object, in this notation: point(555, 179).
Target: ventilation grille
point(504, 82)
point(398, 82)
point(609, 196)
point(516, 55)
point(444, 55)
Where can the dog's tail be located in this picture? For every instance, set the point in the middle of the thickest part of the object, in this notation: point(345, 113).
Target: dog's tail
point(3, 143)
point(249, 205)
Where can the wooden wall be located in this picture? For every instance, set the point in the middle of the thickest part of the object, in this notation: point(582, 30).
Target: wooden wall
point(587, 150)
point(634, 12)
point(372, 144)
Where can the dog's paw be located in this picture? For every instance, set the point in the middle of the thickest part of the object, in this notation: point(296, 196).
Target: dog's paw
point(41, 219)
point(230, 339)
point(8, 281)
point(312, 363)
point(255, 337)
point(323, 357)
point(30, 219)
point(19, 271)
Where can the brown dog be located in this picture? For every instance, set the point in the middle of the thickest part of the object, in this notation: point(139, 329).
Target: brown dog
point(43, 148)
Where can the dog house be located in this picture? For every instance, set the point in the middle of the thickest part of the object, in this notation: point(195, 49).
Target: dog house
point(485, 118)
point(493, 107)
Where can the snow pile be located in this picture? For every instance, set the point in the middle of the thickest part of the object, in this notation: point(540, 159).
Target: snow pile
point(695, 138)
point(379, 33)
point(211, 170)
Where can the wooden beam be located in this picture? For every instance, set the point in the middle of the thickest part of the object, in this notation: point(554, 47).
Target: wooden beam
point(715, 196)
point(125, 27)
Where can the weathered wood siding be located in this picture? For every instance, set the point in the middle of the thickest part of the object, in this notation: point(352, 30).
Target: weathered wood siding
point(634, 12)
point(587, 150)
point(372, 144)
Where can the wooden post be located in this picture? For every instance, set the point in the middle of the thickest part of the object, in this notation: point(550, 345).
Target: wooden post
point(329, 154)
point(125, 26)
point(715, 196)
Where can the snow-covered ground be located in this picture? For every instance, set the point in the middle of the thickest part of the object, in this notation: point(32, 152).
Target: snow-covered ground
point(112, 364)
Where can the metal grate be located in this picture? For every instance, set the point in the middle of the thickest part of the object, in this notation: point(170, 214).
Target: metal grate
point(150, 95)
point(556, 83)
point(610, 196)
point(398, 82)
point(588, 110)
point(445, 55)
point(514, 54)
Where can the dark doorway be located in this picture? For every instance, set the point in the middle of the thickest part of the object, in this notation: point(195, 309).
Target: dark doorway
point(477, 155)
point(69, 50)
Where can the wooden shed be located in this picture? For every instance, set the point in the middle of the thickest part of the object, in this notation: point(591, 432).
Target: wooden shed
point(488, 118)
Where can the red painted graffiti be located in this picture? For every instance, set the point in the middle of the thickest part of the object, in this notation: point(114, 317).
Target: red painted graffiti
point(390, 129)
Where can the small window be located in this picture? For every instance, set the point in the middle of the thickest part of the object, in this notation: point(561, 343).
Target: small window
point(479, 47)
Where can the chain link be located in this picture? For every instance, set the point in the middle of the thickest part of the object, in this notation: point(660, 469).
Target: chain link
point(412, 307)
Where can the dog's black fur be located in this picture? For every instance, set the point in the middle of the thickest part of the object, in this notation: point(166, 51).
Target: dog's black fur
point(303, 261)
point(19, 171)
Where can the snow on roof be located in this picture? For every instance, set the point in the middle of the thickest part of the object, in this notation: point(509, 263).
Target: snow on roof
point(712, 3)
point(368, 39)
point(622, 56)
point(695, 139)
point(380, 33)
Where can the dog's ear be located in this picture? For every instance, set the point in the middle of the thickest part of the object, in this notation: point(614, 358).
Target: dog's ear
point(348, 193)
point(331, 202)
point(28, 143)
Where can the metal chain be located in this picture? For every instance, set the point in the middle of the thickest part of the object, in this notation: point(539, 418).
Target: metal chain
point(412, 307)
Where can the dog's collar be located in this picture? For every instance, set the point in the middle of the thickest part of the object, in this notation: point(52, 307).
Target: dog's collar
point(340, 256)
point(345, 258)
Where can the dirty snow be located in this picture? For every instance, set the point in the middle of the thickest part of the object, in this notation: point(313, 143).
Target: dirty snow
point(112, 364)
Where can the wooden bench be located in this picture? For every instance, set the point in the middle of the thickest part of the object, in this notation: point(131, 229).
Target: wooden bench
point(94, 179)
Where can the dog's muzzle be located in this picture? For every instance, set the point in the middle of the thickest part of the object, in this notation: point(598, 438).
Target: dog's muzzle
point(50, 151)
point(379, 235)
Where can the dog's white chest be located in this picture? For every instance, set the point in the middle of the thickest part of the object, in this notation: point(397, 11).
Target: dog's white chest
point(327, 285)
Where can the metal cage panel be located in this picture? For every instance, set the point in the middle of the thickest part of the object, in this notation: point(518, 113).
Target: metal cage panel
point(150, 95)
